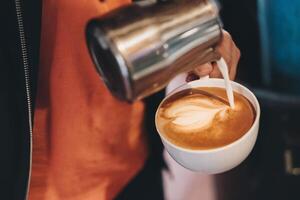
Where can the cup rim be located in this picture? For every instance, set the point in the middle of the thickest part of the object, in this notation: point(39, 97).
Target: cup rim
point(217, 149)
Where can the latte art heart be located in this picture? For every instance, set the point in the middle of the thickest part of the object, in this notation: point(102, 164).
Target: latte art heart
point(194, 113)
point(201, 118)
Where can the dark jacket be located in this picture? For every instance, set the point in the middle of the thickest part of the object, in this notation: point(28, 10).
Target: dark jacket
point(19, 49)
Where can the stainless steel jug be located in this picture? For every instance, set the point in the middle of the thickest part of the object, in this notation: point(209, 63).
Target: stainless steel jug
point(138, 49)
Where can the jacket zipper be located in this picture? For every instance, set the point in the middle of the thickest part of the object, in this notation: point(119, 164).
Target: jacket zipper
point(27, 83)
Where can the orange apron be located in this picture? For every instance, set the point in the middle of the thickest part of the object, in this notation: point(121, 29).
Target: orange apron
point(87, 145)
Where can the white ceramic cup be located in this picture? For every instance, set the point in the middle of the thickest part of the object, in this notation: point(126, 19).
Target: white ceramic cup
point(221, 159)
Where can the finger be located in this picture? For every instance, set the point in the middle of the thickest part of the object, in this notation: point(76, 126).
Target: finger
point(225, 48)
point(204, 69)
point(230, 52)
point(216, 72)
point(234, 64)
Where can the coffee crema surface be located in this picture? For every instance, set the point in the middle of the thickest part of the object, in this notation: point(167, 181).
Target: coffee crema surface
point(201, 118)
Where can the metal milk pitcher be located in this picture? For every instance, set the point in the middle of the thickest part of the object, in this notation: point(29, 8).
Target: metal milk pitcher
point(138, 49)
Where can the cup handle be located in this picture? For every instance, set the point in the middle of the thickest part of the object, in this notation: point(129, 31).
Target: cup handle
point(176, 82)
point(179, 80)
point(204, 77)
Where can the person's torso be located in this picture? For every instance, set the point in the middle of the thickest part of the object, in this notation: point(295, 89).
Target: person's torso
point(87, 144)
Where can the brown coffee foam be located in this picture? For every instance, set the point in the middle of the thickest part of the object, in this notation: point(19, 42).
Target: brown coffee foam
point(226, 126)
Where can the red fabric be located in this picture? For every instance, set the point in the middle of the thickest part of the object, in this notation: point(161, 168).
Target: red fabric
point(87, 145)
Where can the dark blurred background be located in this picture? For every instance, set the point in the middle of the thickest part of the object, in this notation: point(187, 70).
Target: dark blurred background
point(268, 35)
